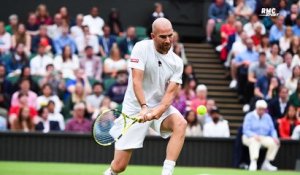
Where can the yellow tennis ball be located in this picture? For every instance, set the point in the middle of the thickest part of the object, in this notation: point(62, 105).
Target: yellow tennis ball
point(201, 110)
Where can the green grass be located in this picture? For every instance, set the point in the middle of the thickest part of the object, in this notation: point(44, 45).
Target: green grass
point(33, 168)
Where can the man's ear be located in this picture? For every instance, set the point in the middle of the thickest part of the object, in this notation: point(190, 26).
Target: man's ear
point(152, 35)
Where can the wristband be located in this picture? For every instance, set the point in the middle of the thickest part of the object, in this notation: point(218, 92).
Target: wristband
point(144, 105)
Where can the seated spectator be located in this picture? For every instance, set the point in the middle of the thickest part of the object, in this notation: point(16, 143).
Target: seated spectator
point(45, 125)
point(188, 74)
point(290, 19)
point(43, 16)
point(242, 10)
point(178, 47)
point(274, 58)
point(32, 27)
point(94, 100)
point(21, 37)
point(91, 64)
point(55, 30)
point(24, 122)
point(105, 105)
point(42, 39)
point(257, 37)
point(3, 124)
point(63, 40)
point(158, 12)
point(210, 104)
point(55, 116)
point(296, 27)
point(288, 122)
point(67, 62)
point(5, 39)
point(94, 21)
point(188, 91)
point(4, 105)
point(114, 22)
point(40, 61)
point(201, 97)
point(249, 27)
point(193, 128)
point(78, 96)
point(18, 61)
point(295, 44)
point(258, 68)
point(179, 102)
point(26, 74)
point(267, 86)
point(76, 30)
point(296, 133)
point(114, 63)
point(282, 8)
point(5, 84)
point(284, 70)
point(218, 127)
point(24, 88)
point(117, 90)
point(235, 36)
point(259, 130)
point(12, 27)
point(80, 77)
point(66, 20)
point(217, 13)
point(278, 106)
point(47, 96)
point(277, 30)
point(285, 41)
point(15, 110)
point(127, 43)
point(265, 45)
point(295, 97)
point(227, 29)
point(296, 59)
point(79, 123)
point(106, 41)
point(291, 83)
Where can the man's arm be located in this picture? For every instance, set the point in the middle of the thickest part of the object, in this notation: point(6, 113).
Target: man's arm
point(137, 77)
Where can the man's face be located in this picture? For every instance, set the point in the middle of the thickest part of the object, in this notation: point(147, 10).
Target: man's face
point(94, 11)
point(262, 59)
point(163, 37)
point(79, 112)
point(260, 111)
point(284, 93)
point(25, 86)
point(2, 71)
point(106, 31)
point(98, 89)
point(58, 19)
point(131, 32)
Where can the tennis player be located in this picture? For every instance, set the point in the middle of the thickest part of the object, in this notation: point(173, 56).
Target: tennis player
point(155, 76)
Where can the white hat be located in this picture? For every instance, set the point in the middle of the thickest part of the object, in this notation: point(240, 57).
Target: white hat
point(201, 87)
point(261, 104)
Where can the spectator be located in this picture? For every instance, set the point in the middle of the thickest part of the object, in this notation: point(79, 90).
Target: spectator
point(178, 47)
point(105, 105)
point(158, 12)
point(180, 102)
point(47, 96)
point(26, 74)
point(25, 88)
point(290, 19)
point(114, 63)
point(242, 10)
point(201, 97)
point(188, 91)
point(78, 96)
point(67, 62)
point(55, 30)
point(227, 29)
point(66, 20)
point(277, 30)
point(106, 41)
point(79, 123)
point(188, 74)
point(296, 133)
point(235, 36)
point(80, 77)
point(295, 97)
point(21, 37)
point(18, 60)
point(274, 58)
point(259, 130)
point(94, 22)
point(5, 84)
point(265, 45)
point(296, 58)
point(257, 37)
point(218, 127)
point(257, 69)
point(15, 111)
point(45, 125)
point(296, 27)
point(285, 41)
point(287, 123)
point(284, 70)
point(91, 64)
point(238, 46)
point(193, 128)
point(217, 13)
point(249, 27)
point(4, 105)
point(40, 61)
point(5, 40)
point(278, 106)
point(13, 24)
point(64, 40)
point(117, 90)
point(94, 100)
point(24, 121)
point(210, 104)
point(292, 82)
point(32, 27)
point(115, 23)
point(43, 16)
point(55, 116)
point(42, 39)
point(77, 31)
point(282, 8)
point(3, 124)
point(89, 40)
point(127, 43)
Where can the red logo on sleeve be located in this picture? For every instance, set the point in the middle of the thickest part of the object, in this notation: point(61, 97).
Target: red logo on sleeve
point(134, 60)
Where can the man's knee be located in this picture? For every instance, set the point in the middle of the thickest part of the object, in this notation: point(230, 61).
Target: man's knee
point(118, 166)
point(211, 22)
point(180, 125)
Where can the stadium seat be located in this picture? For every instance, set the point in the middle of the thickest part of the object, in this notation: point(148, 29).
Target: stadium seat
point(141, 32)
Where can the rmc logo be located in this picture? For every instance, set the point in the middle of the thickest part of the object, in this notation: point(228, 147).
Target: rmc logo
point(268, 12)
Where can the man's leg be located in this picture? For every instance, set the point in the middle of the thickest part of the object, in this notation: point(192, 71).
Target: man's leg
point(177, 124)
point(254, 147)
point(272, 147)
point(209, 29)
point(120, 162)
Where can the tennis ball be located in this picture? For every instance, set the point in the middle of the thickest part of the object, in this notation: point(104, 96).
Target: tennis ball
point(201, 110)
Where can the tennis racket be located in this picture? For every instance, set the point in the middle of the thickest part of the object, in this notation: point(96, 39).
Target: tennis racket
point(111, 125)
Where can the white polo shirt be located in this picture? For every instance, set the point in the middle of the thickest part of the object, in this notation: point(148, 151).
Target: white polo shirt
point(95, 24)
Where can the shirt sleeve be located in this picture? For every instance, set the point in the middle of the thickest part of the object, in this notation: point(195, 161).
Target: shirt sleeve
point(177, 76)
point(137, 58)
point(247, 127)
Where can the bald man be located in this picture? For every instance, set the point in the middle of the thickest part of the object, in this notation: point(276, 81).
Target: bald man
point(155, 76)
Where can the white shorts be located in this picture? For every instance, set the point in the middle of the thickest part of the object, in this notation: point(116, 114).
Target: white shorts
point(136, 134)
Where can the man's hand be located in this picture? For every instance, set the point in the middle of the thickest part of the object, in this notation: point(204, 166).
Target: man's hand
point(155, 113)
point(142, 114)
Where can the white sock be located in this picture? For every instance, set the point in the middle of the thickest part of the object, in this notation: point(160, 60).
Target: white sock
point(168, 167)
point(253, 161)
point(109, 171)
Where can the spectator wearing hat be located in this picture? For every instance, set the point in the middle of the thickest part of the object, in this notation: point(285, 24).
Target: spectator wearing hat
point(218, 127)
point(79, 123)
point(201, 97)
point(259, 130)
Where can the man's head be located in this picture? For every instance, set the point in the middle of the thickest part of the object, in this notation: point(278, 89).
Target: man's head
point(94, 11)
point(262, 58)
point(219, 2)
point(215, 114)
point(43, 113)
point(294, 8)
point(79, 110)
point(231, 19)
point(130, 33)
point(249, 44)
point(43, 30)
point(97, 88)
point(280, 21)
point(270, 71)
point(283, 93)
point(51, 106)
point(201, 91)
point(47, 90)
point(2, 71)
point(13, 20)
point(106, 30)
point(238, 26)
point(89, 52)
point(25, 85)
point(122, 77)
point(253, 18)
point(32, 18)
point(2, 28)
point(288, 57)
point(41, 50)
point(210, 104)
point(58, 19)
point(261, 106)
point(162, 35)
point(158, 7)
point(79, 19)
